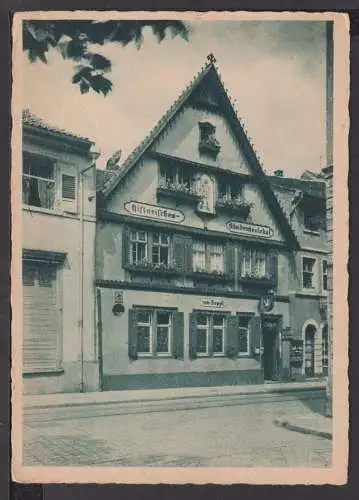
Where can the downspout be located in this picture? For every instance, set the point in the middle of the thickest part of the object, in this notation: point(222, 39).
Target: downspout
point(82, 270)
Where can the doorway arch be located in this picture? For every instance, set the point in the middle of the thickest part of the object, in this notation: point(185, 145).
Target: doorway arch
point(310, 340)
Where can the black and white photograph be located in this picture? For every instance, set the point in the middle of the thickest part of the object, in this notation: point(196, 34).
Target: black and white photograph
point(180, 234)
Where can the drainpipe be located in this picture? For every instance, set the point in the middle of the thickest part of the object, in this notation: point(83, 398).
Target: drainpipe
point(82, 270)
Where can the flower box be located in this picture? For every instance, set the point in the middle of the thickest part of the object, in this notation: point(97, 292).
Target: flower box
point(146, 267)
point(251, 279)
point(233, 205)
point(203, 274)
point(177, 190)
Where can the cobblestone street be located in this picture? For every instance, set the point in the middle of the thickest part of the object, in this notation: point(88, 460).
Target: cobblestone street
point(238, 436)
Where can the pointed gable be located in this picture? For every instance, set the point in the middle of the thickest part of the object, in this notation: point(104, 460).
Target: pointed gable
point(202, 129)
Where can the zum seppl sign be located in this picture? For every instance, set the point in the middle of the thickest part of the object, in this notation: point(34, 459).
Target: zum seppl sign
point(212, 302)
point(154, 212)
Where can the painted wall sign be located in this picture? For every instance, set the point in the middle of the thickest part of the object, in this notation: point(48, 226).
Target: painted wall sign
point(212, 302)
point(154, 212)
point(249, 229)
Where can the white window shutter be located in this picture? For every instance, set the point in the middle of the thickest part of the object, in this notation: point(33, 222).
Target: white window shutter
point(69, 192)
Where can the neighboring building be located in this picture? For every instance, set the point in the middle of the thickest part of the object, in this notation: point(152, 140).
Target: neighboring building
point(58, 231)
point(195, 257)
point(304, 204)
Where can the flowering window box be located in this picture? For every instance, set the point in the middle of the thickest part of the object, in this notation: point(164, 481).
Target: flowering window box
point(146, 267)
point(177, 190)
point(204, 274)
point(233, 205)
point(253, 279)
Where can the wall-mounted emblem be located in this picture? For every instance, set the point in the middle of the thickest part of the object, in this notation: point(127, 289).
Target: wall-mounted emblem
point(266, 303)
point(213, 302)
point(248, 229)
point(118, 307)
point(154, 212)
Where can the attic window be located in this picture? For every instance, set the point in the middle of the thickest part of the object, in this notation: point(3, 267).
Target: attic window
point(208, 144)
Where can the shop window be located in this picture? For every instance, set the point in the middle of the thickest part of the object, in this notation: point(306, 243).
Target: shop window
point(254, 263)
point(325, 274)
point(243, 334)
point(308, 273)
point(210, 334)
point(208, 257)
point(38, 182)
point(155, 332)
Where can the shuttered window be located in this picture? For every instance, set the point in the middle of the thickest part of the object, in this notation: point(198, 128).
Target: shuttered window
point(41, 325)
point(155, 332)
point(68, 187)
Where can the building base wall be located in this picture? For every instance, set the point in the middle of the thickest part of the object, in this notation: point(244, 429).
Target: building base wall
point(66, 380)
point(182, 379)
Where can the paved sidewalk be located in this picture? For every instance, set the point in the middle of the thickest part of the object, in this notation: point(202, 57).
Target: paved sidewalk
point(313, 424)
point(65, 406)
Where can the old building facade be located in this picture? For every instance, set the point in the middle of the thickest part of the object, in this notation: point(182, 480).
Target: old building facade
point(58, 231)
point(196, 260)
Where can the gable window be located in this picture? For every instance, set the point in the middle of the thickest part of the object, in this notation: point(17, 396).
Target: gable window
point(325, 274)
point(210, 334)
point(308, 272)
point(313, 220)
point(254, 263)
point(208, 256)
point(228, 189)
point(154, 332)
point(38, 182)
point(176, 177)
point(243, 334)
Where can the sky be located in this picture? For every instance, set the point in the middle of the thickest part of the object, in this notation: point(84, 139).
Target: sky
point(273, 70)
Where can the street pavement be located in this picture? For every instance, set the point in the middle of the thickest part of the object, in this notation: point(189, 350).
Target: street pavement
point(231, 436)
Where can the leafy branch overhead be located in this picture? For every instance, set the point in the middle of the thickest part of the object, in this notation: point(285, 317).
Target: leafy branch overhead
point(74, 39)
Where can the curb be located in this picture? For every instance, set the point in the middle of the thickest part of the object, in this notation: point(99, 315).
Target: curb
point(42, 414)
point(303, 430)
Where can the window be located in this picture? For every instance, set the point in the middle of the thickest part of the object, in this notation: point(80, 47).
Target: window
point(228, 189)
point(254, 263)
point(38, 182)
point(154, 332)
point(208, 257)
point(325, 349)
point(178, 175)
point(313, 220)
point(69, 187)
point(243, 333)
point(325, 275)
point(138, 243)
point(308, 273)
point(160, 249)
point(210, 334)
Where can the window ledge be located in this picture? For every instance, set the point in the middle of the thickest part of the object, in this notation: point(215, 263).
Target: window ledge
point(53, 212)
point(44, 373)
point(152, 356)
point(311, 231)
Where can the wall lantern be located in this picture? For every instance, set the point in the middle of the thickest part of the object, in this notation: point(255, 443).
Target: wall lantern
point(118, 307)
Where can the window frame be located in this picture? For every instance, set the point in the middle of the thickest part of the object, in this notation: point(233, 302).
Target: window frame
point(248, 269)
point(153, 325)
point(34, 158)
point(314, 273)
point(247, 317)
point(208, 252)
point(210, 327)
point(149, 244)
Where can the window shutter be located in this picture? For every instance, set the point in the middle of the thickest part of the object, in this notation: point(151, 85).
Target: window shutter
point(69, 193)
point(178, 335)
point(125, 246)
point(230, 258)
point(232, 336)
point(192, 336)
point(182, 253)
point(255, 336)
point(273, 266)
point(132, 334)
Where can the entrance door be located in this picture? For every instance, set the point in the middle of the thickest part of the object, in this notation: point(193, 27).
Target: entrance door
point(309, 350)
point(270, 354)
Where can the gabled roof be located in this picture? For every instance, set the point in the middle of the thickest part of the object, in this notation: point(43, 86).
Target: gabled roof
point(209, 72)
point(315, 189)
point(30, 120)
